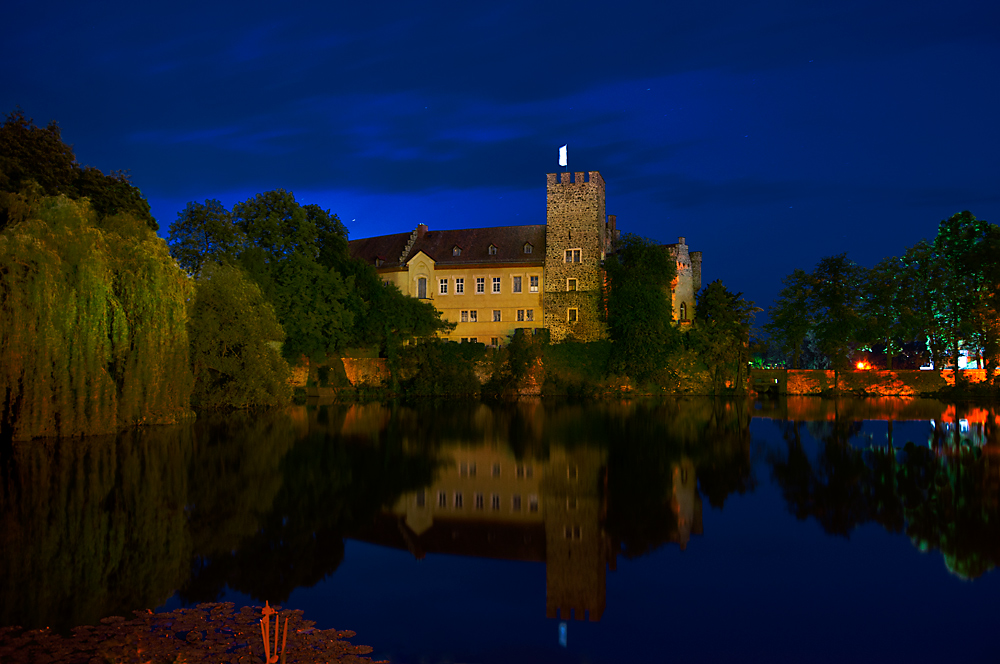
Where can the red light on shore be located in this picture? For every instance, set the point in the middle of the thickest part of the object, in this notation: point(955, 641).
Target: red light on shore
point(863, 365)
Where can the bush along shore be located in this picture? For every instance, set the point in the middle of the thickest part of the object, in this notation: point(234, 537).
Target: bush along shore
point(207, 633)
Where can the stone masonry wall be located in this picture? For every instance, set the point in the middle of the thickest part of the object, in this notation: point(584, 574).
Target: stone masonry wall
point(575, 218)
point(881, 383)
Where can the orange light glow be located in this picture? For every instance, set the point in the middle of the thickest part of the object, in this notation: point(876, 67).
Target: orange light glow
point(863, 365)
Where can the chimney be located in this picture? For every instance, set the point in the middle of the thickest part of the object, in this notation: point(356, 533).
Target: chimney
point(421, 230)
point(680, 240)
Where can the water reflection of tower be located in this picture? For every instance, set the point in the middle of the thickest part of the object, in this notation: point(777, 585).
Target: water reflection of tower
point(577, 549)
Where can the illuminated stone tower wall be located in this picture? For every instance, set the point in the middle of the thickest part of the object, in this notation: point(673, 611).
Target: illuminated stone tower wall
point(575, 221)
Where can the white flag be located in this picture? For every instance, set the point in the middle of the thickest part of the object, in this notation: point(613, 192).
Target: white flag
point(562, 155)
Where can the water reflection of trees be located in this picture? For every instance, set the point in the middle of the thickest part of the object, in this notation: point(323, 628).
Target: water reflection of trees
point(655, 451)
point(943, 497)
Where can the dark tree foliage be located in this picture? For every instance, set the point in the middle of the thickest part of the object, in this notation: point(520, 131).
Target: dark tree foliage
point(836, 303)
point(235, 342)
point(30, 154)
point(789, 317)
point(721, 335)
point(204, 232)
point(963, 247)
point(639, 313)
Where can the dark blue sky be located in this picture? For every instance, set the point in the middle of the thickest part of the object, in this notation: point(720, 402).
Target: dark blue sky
point(769, 134)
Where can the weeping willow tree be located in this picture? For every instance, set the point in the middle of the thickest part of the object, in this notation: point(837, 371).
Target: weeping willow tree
point(93, 320)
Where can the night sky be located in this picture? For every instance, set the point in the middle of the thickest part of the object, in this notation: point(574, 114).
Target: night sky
point(769, 134)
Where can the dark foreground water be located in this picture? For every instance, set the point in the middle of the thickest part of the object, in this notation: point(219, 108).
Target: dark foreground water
point(539, 531)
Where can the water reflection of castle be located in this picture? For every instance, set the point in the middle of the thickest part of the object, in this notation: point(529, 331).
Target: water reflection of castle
point(487, 503)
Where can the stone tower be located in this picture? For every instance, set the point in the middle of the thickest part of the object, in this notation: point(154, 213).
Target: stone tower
point(574, 253)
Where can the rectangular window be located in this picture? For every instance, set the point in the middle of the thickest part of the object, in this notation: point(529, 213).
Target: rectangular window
point(520, 315)
point(519, 471)
point(474, 340)
point(533, 284)
point(421, 498)
point(517, 285)
point(530, 314)
point(479, 501)
point(515, 502)
point(529, 471)
point(571, 284)
point(473, 318)
point(495, 342)
point(472, 469)
point(459, 286)
point(571, 315)
point(459, 504)
point(496, 284)
point(465, 316)
point(496, 315)
point(480, 284)
point(443, 287)
point(572, 255)
point(532, 503)
point(496, 470)
point(442, 499)
point(495, 502)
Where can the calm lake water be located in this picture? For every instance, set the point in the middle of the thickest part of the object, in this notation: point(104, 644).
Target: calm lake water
point(695, 530)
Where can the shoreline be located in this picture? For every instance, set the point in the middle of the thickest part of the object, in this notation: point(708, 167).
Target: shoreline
point(210, 632)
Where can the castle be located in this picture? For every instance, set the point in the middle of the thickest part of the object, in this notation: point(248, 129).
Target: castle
point(491, 281)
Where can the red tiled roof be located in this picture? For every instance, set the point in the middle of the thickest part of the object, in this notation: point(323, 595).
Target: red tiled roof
point(473, 242)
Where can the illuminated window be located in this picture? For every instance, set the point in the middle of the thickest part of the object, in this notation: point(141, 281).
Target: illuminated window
point(496, 315)
point(530, 314)
point(496, 284)
point(516, 287)
point(443, 287)
point(473, 318)
point(571, 315)
point(572, 255)
point(684, 311)
point(571, 284)
point(493, 250)
point(456, 251)
point(533, 284)
point(480, 284)
point(459, 286)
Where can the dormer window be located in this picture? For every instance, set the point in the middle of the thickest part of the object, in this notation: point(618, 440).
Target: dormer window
point(378, 262)
point(456, 250)
point(493, 250)
point(527, 247)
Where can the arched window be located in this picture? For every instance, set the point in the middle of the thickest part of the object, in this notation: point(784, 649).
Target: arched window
point(527, 247)
point(684, 311)
point(422, 288)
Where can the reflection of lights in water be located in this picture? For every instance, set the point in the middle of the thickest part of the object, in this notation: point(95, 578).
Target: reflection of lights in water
point(562, 634)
